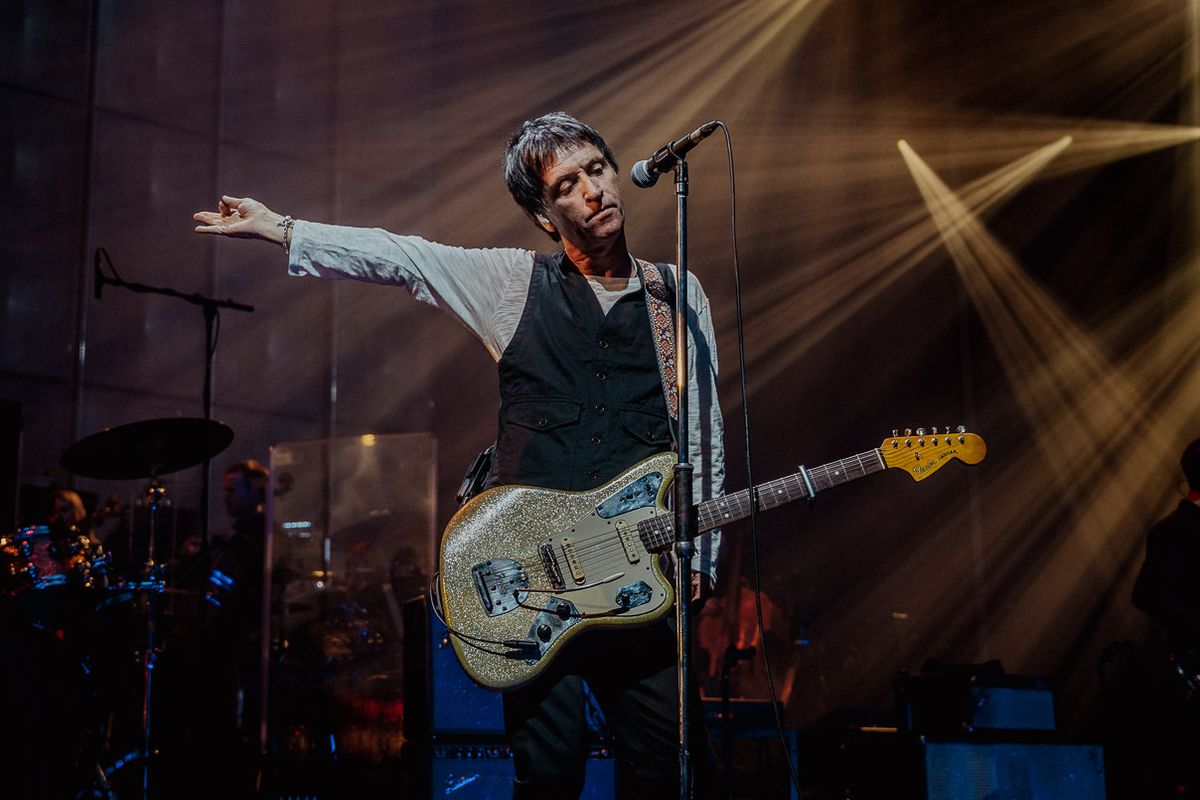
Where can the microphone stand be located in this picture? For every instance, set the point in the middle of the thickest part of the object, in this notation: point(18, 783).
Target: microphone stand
point(211, 307)
point(685, 509)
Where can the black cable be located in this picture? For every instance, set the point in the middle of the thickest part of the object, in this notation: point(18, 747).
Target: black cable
point(112, 267)
point(741, 339)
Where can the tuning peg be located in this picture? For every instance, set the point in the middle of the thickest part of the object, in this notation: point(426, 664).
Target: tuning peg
point(920, 431)
point(934, 429)
point(895, 432)
point(908, 431)
point(962, 428)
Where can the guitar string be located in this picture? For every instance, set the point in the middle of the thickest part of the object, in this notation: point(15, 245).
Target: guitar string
point(657, 531)
point(770, 495)
point(789, 488)
point(651, 529)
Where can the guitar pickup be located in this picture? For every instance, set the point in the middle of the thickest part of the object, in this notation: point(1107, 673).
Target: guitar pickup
point(501, 584)
point(573, 560)
point(628, 541)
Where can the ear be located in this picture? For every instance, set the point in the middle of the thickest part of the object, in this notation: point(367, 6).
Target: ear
point(545, 222)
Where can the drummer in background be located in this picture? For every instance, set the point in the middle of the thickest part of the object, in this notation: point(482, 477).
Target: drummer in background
point(212, 686)
point(67, 511)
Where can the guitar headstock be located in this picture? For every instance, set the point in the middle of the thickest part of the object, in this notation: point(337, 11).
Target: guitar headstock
point(921, 453)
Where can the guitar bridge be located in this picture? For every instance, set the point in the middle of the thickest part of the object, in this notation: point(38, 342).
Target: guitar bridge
point(501, 584)
point(550, 564)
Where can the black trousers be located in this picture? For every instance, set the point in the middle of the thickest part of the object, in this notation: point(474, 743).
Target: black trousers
point(632, 675)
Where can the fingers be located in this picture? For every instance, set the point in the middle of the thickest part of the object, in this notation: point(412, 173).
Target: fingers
point(209, 222)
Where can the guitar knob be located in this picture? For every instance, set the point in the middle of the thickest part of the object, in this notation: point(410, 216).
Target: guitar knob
point(543, 632)
point(564, 611)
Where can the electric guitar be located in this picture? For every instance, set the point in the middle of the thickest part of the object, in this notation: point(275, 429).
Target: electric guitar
point(524, 570)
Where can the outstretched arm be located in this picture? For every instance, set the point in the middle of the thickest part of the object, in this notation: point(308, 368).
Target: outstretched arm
point(243, 218)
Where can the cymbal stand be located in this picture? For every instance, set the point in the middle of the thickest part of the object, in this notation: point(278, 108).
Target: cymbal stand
point(155, 494)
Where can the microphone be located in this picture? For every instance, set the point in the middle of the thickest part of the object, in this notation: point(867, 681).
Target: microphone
point(645, 173)
point(98, 276)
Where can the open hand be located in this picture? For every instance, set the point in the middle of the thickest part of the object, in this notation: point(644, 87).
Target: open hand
point(241, 217)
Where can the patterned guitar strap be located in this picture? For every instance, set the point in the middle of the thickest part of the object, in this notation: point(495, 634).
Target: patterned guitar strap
point(662, 323)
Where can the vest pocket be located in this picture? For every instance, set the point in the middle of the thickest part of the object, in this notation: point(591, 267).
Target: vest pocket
point(537, 443)
point(647, 427)
point(542, 415)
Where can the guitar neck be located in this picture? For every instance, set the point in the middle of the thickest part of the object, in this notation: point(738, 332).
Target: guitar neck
point(657, 533)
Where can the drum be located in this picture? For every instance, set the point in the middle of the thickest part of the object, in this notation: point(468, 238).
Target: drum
point(40, 557)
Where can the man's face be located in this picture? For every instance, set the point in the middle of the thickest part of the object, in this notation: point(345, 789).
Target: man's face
point(582, 201)
point(240, 497)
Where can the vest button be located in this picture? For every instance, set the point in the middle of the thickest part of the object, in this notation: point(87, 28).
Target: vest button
point(595, 440)
point(603, 344)
point(594, 474)
point(600, 409)
point(542, 422)
point(600, 376)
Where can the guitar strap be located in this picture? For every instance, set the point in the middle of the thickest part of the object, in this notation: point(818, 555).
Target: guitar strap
point(662, 324)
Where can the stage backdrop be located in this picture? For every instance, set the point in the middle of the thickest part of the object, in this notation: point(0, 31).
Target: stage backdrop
point(949, 213)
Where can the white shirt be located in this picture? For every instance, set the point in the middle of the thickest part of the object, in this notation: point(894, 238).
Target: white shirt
point(486, 289)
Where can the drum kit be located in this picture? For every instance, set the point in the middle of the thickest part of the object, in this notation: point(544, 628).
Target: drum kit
point(57, 581)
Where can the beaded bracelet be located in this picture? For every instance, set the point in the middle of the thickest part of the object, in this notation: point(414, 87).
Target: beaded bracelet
point(286, 223)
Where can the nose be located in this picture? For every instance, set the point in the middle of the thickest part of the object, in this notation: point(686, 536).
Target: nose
point(591, 189)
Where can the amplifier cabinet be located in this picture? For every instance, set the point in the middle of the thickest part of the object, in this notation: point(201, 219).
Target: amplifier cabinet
point(983, 771)
point(900, 766)
point(485, 772)
point(439, 697)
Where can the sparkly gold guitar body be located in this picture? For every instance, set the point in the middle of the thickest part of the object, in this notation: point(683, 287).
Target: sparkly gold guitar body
point(525, 570)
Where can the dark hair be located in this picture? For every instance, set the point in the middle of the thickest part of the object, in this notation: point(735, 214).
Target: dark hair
point(1190, 461)
point(535, 145)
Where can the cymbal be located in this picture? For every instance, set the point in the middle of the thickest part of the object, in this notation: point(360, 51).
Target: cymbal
point(148, 448)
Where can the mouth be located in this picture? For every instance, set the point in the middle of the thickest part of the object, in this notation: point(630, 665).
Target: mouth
point(601, 213)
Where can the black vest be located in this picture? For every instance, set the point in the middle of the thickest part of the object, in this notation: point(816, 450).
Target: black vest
point(580, 392)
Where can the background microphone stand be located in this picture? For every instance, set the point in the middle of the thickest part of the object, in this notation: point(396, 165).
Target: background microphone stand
point(211, 308)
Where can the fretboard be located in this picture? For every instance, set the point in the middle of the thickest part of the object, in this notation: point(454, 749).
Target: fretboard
point(657, 533)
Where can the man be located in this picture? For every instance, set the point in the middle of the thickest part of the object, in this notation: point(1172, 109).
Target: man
point(1168, 590)
point(1167, 587)
point(582, 396)
point(210, 688)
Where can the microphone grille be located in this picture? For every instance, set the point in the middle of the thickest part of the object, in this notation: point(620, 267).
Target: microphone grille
point(642, 176)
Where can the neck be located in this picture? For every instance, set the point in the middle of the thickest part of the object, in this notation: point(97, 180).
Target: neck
point(607, 260)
